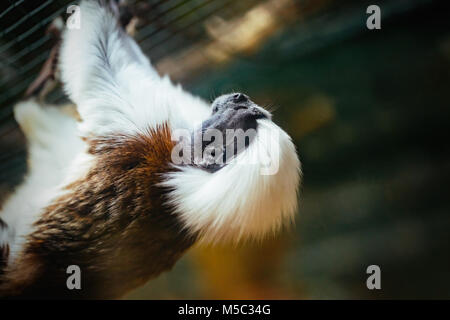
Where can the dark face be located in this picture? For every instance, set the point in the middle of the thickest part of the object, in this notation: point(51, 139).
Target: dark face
point(234, 116)
point(235, 111)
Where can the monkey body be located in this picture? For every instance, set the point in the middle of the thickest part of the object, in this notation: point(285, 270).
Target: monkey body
point(109, 224)
point(105, 194)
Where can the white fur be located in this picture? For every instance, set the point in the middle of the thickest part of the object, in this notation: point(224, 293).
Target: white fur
point(117, 91)
point(53, 143)
point(112, 82)
point(238, 201)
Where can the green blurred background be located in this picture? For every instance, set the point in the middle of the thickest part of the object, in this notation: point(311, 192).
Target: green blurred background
point(369, 113)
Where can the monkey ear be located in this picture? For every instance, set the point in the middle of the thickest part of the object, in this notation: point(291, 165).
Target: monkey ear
point(103, 69)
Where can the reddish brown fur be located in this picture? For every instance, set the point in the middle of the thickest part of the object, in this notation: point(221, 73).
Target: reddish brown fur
point(113, 224)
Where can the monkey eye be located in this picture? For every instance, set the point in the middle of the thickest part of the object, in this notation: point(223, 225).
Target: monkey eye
point(214, 110)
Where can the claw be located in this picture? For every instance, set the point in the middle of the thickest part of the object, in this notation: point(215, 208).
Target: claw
point(46, 79)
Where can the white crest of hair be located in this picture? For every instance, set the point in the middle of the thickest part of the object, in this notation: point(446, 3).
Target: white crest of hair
point(239, 201)
point(113, 83)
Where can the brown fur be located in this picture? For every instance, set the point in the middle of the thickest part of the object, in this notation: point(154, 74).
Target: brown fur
point(113, 224)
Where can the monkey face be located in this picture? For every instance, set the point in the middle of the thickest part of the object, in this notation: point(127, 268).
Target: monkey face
point(230, 129)
point(235, 111)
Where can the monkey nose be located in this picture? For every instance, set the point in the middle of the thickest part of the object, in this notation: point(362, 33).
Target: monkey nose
point(240, 97)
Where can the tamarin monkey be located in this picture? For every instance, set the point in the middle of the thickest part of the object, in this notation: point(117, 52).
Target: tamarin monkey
point(106, 194)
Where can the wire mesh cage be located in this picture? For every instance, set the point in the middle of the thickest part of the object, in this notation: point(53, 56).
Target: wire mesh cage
point(367, 110)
